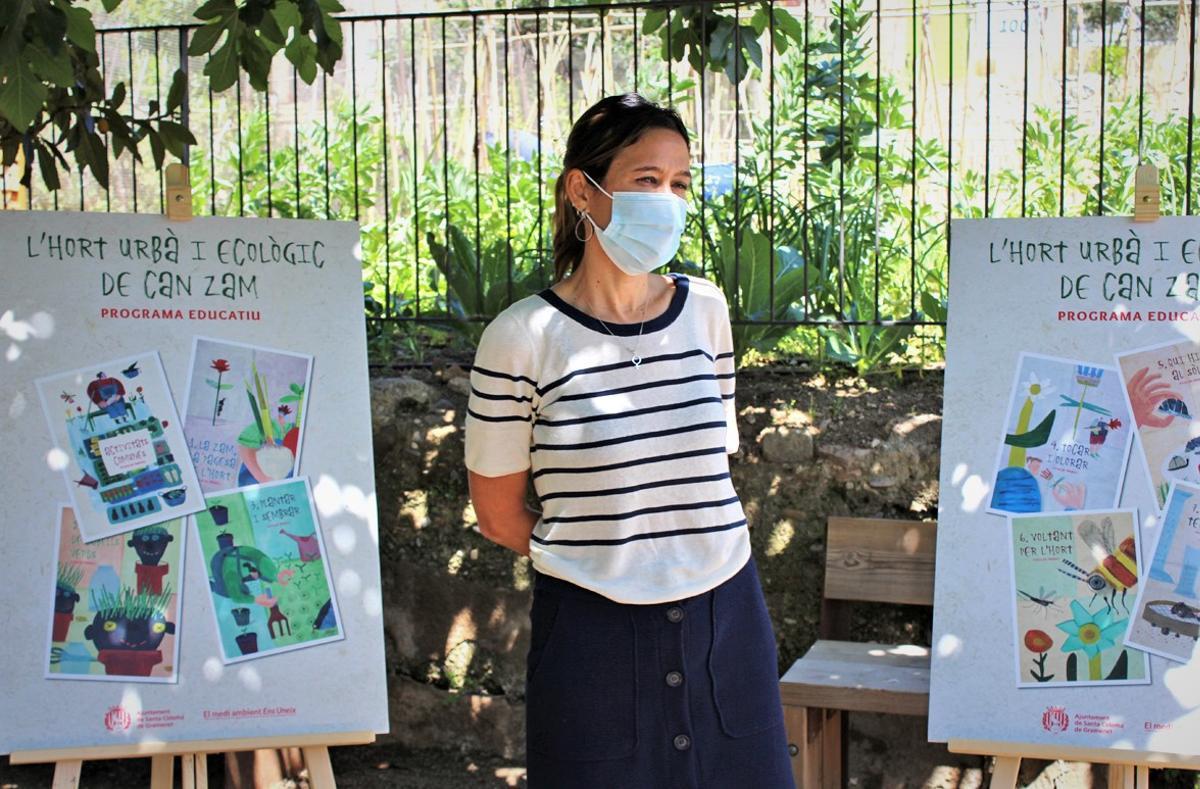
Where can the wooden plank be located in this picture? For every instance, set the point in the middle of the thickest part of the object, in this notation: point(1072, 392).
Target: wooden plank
point(861, 677)
point(187, 770)
point(880, 560)
point(162, 771)
point(1071, 753)
point(320, 770)
point(804, 744)
point(831, 755)
point(66, 773)
point(1004, 775)
point(135, 750)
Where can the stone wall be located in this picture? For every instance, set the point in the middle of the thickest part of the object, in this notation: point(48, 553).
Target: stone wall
point(456, 605)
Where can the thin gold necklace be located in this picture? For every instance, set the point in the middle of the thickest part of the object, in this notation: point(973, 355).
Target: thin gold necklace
point(636, 359)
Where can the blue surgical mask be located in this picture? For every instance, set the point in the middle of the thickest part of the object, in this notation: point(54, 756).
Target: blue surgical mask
point(644, 231)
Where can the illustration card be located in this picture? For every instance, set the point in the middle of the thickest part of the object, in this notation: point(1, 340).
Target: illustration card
point(1066, 438)
point(1162, 384)
point(1074, 582)
point(1167, 613)
point(245, 413)
point(120, 445)
point(115, 614)
point(267, 570)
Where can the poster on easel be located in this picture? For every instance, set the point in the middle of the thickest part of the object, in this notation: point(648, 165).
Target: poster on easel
point(1067, 408)
point(114, 326)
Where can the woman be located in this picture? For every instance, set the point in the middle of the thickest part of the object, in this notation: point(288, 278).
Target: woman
point(652, 661)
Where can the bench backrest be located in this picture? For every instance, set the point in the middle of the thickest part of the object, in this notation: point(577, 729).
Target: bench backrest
point(880, 560)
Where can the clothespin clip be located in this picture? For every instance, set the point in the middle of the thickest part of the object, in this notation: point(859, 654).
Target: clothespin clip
point(1146, 194)
point(179, 192)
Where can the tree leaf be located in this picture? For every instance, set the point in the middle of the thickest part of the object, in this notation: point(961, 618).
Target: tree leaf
point(222, 66)
point(216, 8)
point(52, 67)
point(22, 95)
point(205, 38)
point(175, 137)
point(46, 164)
point(177, 92)
point(80, 30)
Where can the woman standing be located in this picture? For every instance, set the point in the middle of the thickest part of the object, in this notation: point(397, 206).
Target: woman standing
point(653, 662)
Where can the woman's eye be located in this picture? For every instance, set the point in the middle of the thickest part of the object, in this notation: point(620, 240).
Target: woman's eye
point(649, 179)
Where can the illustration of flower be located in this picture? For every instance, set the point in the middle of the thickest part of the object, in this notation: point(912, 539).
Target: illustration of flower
point(1039, 642)
point(1091, 634)
point(1089, 378)
point(284, 410)
point(1037, 388)
point(1114, 424)
point(222, 367)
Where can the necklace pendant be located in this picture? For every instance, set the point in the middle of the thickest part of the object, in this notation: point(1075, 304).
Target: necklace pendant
point(636, 360)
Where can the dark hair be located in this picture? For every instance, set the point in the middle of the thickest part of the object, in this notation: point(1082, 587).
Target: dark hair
point(608, 126)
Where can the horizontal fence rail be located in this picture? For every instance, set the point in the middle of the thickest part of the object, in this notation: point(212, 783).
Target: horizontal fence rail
point(826, 176)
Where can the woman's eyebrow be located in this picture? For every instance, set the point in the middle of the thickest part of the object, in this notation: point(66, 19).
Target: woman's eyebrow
point(658, 169)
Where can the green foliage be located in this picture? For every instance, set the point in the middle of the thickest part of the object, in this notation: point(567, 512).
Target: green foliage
point(69, 576)
point(52, 99)
point(131, 604)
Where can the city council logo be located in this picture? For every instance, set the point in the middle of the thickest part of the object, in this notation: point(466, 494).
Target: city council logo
point(1055, 719)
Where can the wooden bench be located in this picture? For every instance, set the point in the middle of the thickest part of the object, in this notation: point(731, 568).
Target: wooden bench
point(866, 560)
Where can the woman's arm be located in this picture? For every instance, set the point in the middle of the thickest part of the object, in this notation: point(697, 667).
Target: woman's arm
point(504, 517)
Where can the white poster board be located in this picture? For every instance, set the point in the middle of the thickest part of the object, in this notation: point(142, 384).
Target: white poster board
point(1083, 289)
point(77, 289)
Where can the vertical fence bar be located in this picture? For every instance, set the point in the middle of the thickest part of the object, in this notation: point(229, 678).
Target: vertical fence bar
point(537, 57)
point(446, 154)
point(133, 107)
point(1141, 81)
point(876, 200)
point(987, 115)
point(771, 151)
point(703, 149)
point(267, 136)
point(325, 131)
point(296, 136)
point(475, 156)
point(804, 217)
point(1025, 109)
point(670, 58)
point(636, 45)
point(104, 81)
point(1062, 137)
point(162, 188)
point(841, 164)
point(241, 165)
point(570, 67)
point(912, 165)
point(414, 153)
point(387, 187)
point(507, 169)
point(1103, 96)
point(1191, 122)
point(603, 38)
point(949, 137)
point(354, 113)
point(212, 155)
point(737, 164)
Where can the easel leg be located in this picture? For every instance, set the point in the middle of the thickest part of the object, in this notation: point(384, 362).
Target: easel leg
point(1128, 776)
point(194, 767)
point(162, 771)
point(66, 774)
point(320, 770)
point(1004, 776)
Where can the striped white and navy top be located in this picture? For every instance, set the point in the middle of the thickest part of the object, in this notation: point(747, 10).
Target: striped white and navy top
point(630, 463)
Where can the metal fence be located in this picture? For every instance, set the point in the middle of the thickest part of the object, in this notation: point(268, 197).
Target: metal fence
point(828, 173)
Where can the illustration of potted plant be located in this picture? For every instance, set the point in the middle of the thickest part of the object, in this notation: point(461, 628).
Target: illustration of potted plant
point(65, 598)
point(128, 628)
point(247, 643)
point(1016, 488)
point(150, 542)
point(269, 445)
point(1091, 634)
point(219, 513)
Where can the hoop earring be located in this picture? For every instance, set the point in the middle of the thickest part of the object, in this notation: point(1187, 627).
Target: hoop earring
point(578, 222)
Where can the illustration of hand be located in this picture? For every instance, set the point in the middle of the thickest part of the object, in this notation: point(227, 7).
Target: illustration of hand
point(1034, 465)
point(1071, 495)
point(285, 576)
point(1146, 391)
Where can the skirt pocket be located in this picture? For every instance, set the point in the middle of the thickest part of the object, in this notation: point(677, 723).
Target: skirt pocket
point(743, 658)
point(581, 688)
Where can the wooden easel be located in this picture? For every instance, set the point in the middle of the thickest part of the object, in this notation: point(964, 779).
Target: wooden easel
point(1126, 769)
point(68, 762)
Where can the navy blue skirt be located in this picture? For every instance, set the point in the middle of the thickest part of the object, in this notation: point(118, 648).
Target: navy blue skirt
point(676, 695)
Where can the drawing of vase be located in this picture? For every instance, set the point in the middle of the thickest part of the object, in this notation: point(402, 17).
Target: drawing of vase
point(248, 643)
point(129, 662)
point(241, 616)
point(64, 610)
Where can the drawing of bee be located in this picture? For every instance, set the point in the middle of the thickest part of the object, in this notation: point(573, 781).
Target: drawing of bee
point(1116, 565)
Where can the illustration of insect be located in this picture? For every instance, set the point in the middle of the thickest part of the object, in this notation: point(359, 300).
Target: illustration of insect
point(67, 398)
point(1116, 565)
point(1044, 600)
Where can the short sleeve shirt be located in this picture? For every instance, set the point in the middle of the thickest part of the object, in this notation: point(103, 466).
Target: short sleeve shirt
point(630, 461)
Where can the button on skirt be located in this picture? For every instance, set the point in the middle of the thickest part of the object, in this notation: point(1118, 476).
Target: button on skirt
point(676, 695)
